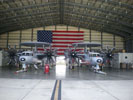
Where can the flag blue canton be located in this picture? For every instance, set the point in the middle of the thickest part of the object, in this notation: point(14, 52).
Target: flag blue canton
point(44, 36)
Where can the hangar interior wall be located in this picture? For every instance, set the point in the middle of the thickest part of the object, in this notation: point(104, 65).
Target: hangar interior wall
point(16, 37)
point(129, 44)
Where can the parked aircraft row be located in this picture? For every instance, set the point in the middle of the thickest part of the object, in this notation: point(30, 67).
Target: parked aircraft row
point(48, 56)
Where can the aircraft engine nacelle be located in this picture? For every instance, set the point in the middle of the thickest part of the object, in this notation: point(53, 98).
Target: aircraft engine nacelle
point(97, 60)
point(26, 59)
point(73, 54)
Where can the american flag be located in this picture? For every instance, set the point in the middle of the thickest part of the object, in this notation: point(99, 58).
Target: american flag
point(61, 40)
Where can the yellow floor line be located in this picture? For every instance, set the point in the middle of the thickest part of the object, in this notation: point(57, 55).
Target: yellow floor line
point(56, 91)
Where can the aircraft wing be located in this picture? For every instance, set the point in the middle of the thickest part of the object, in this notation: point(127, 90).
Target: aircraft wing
point(35, 44)
point(86, 44)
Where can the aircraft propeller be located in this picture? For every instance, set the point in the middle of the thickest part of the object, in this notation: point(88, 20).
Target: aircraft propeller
point(49, 54)
point(72, 56)
point(13, 56)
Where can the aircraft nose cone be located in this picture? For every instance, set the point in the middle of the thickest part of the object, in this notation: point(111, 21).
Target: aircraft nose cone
point(22, 59)
point(99, 60)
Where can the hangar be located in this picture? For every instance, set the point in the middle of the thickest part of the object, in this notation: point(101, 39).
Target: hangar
point(108, 22)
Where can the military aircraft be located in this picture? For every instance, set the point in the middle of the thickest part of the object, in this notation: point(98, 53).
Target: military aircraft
point(36, 57)
point(92, 59)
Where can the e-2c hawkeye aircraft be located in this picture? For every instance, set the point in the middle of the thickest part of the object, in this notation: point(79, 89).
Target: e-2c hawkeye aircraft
point(36, 57)
point(92, 59)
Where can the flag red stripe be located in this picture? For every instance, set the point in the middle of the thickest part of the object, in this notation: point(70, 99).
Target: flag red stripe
point(41, 49)
point(61, 46)
point(66, 35)
point(68, 31)
point(60, 53)
point(67, 38)
point(67, 48)
point(63, 42)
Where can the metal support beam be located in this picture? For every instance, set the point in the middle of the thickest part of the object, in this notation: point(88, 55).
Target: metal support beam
point(114, 40)
point(90, 38)
point(78, 28)
point(118, 32)
point(90, 35)
point(26, 22)
point(100, 18)
point(67, 28)
point(115, 3)
point(27, 26)
point(20, 38)
point(91, 7)
point(61, 11)
point(104, 20)
point(124, 43)
point(108, 31)
point(101, 40)
point(55, 27)
point(32, 34)
point(114, 26)
point(7, 40)
point(28, 7)
point(44, 28)
point(32, 37)
point(4, 20)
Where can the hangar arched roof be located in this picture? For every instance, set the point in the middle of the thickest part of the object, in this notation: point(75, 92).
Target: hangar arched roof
point(112, 16)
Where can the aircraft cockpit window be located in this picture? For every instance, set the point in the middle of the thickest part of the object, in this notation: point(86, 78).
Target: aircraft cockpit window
point(98, 55)
point(27, 54)
point(23, 54)
point(94, 55)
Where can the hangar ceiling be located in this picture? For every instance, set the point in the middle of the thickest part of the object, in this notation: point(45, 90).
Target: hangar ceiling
point(112, 16)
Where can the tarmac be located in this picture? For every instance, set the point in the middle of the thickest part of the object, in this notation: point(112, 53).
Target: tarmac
point(65, 84)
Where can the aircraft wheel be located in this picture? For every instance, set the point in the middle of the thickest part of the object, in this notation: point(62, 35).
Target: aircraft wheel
point(72, 67)
point(69, 67)
point(95, 70)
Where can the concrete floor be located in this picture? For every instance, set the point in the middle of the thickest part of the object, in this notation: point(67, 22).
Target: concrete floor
point(77, 84)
